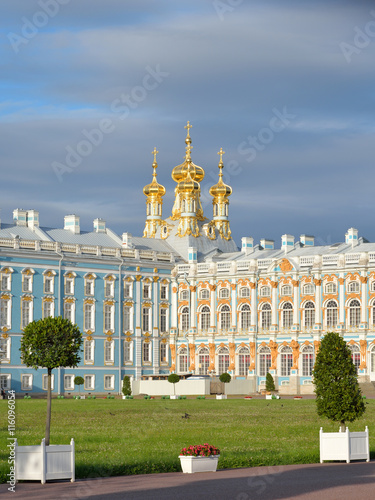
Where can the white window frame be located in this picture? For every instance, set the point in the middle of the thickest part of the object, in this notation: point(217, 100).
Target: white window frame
point(286, 361)
point(72, 311)
point(111, 385)
point(308, 360)
point(6, 282)
point(128, 289)
point(45, 382)
point(51, 305)
point(204, 294)
point(89, 382)
point(185, 318)
point(309, 289)
point(127, 318)
point(353, 287)
point(89, 352)
point(245, 317)
point(225, 317)
point(89, 287)
point(29, 312)
point(5, 346)
point(163, 320)
point(163, 355)
point(89, 316)
point(146, 291)
point(27, 283)
point(69, 382)
point(330, 288)
point(109, 288)
point(205, 318)
point(128, 351)
point(224, 293)
point(48, 285)
point(109, 352)
point(243, 364)
point(354, 313)
point(69, 285)
point(183, 360)
point(245, 292)
point(109, 317)
point(287, 290)
point(223, 360)
point(6, 315)
point(5, 381)
point(184, 295)
point(287, 315)
point(264, 361)
point(332, 314)
point(26, 382)
point(266, 316)
point(265, 291)
point(308, 315)
point(146, 352)
point(146, 319)
point(163, 291)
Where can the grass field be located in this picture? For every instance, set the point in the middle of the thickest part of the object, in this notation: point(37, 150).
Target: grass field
point(117, 437)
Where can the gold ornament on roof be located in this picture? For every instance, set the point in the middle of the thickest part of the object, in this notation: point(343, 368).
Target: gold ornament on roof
point(154, 189)
point(220, 189)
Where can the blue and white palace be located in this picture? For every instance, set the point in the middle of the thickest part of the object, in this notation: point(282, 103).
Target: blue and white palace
point(183, 298)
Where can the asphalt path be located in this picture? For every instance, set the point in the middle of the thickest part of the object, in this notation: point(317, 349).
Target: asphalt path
point(329, 481)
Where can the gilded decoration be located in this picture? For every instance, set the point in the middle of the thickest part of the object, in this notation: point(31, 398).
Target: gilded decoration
point(363, 348)
point(232, 352)
point(329, 277)
point(109, 339)
point(4, 336)
point(192, 288)
point(285, 266)
point(352, 277)
point(108, 332)
point(316, 346)
point(317, 282)
point(212, 287)
point(192, 357)
point(274, 353)
point(211, 347)
point(174, 289)
point(363, 279)
point(274, 284)
point(252, 355)
point(138, 277)
point(156, 279)
point(295, 346)
point(252, 285)
point(89, 338)
point(173, 358)
point(342, 281)
point(128, 339)
point(295, 283)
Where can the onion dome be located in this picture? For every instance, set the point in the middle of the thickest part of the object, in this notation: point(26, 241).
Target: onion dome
point(179, 173)
point(154, 189)
point(220, 189)
point(188, 185)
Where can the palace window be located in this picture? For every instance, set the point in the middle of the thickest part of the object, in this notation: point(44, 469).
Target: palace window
point(27, 281)
point(69, 286)
point(5, 312)
point(265, 316)
point(146, 319)
point(203, 361)
point(5, 282)
point(265, 291)
point(264, 361)
point(185, 319)
point(354, 313)
point(225, 317)
point(128, 323)
point(331, 314)
point(286, 354)
point(373, 313)
point(26, 382)
point(205, 318)
point(372, 360)
point(49, 281)
point(287, 315)
point(330, 288)
point(146, 291)
point(128, 351)
point(89, 352)
point(182, 360)
point(109, 288)
point(224, 293)
point(109, 317)
point(109, 382)
point(309, 289)
point(245, 317)
point(89, 316)
point(5, 381)
point(163, 292)
point(146, 348)
point(69, 311)
point(184, 295)
point(5, 347)
point(353, 287)
point(204, 294)
point(26, 312)
point(128, 290)
point(372, 286)
point(48, 308)
point(109, 352)
point(223, 360)
point(69, 382)
point(163, 353)
point(89, 382)
point(243, 361)
point(287, 290)
point(356, 355)
point(163, 320)
point(89, 286)
point(245, 292)
point(307, 360)
point(309, 315)
point(45, 382)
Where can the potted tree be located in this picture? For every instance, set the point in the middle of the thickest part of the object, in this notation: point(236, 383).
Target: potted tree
point(48, 343)
point(79, 381)
point(126, 388)
point(174, 379)
point(225, 378)
point(270, 387)
point(338, 398)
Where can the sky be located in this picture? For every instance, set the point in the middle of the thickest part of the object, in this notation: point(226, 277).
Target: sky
point(286, 88)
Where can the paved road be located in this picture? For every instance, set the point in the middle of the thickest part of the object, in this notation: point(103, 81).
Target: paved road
point(333, 481)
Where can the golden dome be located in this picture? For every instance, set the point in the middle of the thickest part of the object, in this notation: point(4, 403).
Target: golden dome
point(180, 172)
point(188, 185)
point(220, 189)
point(154, 189)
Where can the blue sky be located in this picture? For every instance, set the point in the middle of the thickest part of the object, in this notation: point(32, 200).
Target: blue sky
point(140, 69)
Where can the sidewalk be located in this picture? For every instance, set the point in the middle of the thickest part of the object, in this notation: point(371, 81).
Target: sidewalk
point(331, 481)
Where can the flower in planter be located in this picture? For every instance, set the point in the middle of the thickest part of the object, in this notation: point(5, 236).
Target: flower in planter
point(203, 450)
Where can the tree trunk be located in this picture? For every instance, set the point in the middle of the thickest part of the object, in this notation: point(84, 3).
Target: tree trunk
point(49, 397)
point(342, 426)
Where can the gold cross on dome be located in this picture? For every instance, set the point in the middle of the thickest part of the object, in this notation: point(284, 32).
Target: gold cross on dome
point(154, 152)
point(188, 126)
point(221, 153)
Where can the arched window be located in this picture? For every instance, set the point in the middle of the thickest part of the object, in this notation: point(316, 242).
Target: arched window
point(286, 360)
point(203, 360)
point(243, 361)
point(353, 287)
point(182, 360)
point(225, 317)
point(354, 313)
point(309, 315)
point(372, 360)
point(265, 291)
point(204, 294)
point(245, 292)
point(184, 295)
point(372, 286)
point(185, 319)
point(287, 315)
point(331, 314)
point(205, 318)
point(264, 361)
point(245, 319)
point(265, 316)
point(224, 293)
point(309, 289)
point(373, 313)
point(330, 288)
point(223, 359)
point(356, 355)
point(307, 360)
point(286, 290)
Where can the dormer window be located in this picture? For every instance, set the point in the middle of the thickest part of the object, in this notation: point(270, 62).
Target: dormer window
point(353, 287)
point(330, 288)
point(184, 295)
point(308, 289)
point(245, 292)
point(265, 291)
point(286, 290)
point(224, 293)
point(204, 294)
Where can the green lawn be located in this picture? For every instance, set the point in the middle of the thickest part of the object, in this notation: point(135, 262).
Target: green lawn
point(116, 437)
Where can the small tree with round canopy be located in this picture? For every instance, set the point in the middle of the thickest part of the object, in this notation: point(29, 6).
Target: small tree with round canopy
point(173, 379)
point(225, 378)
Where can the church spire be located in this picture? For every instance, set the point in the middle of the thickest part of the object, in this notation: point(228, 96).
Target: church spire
point(220, 193)
point(154, 193)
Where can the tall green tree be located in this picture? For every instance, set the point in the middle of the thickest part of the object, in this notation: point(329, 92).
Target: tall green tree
point(51, 343)
point(338, 396)
point(270, 383)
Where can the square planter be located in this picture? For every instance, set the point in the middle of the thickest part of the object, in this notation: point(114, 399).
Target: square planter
point(221, 396)
point(190, 465)
point(174, 396)
point(344, 445)
point(43, 462)
point(268, 396)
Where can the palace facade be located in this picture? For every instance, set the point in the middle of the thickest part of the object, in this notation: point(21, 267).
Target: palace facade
point(183, 298)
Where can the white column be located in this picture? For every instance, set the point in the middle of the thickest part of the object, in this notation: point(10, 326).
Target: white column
point(193, 305)
point(155, 307)
point(296, 314)
point(364, 301)
point(275, 321)
point(174, 316)
point(213, 304)
point(254, 305)
point(318, 301)
point(342, 301)
point(138, 331)
point(234, 304)
point(138, 305)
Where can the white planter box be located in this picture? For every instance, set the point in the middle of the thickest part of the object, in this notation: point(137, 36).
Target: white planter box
point(174, 396)
point(43, 462)
point(268, 396)
point(190, 465)
point(221, 396)
point(344, 445)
